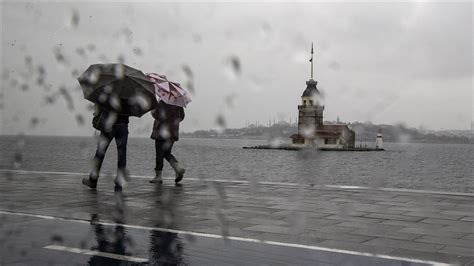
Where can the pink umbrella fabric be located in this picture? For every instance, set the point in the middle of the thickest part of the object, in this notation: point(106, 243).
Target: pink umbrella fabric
point(168, 91)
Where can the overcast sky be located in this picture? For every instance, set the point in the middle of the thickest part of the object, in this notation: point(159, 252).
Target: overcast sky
point(385, 62)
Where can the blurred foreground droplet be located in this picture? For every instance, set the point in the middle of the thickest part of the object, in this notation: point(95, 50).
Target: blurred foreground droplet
point(17, 160)
point(75, 18)
point(137, 51)
point(80, 119)
point(91, 47)
point(67, 96)
point(236, 65)
point(81, 52)
point(34, 121)
point(221, 123)
point(232, 68)
point(119, 71)
point(187, 71)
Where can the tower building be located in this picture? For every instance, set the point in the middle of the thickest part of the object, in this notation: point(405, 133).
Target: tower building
point(312, 131)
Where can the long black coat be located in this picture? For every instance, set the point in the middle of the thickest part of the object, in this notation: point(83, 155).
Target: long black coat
point(167, 119)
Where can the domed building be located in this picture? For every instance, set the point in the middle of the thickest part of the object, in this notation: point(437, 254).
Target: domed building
point(312, 132)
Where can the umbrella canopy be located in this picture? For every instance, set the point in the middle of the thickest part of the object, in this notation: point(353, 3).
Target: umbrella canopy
point(119, 88)
point(168, 91)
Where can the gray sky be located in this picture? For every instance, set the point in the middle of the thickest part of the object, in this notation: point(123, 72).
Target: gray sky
point(385, 62)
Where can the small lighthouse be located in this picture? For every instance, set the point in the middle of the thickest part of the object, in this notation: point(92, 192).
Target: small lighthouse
point(379, 141)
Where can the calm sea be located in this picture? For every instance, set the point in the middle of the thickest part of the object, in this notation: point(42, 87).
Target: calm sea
point(443, 167)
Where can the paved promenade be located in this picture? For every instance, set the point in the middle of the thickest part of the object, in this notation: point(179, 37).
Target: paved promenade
point(340, 225)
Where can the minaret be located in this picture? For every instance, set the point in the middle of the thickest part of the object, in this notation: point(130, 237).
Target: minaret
point(310, 115)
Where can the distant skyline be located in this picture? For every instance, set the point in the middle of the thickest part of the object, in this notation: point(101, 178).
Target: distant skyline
point(387, 63)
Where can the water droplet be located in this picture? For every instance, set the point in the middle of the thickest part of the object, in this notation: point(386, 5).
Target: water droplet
point(67, 96)
point(121, 59)
point(91, 47)
point(34, 121)
point(232, 68)
point(221, 123)
point(190, 86)
point(75, 18)
point(119, 71)
point(236, 66)
point(164, 132)
point(94, 76)
point(187, 71)
point(114, 102)
point(57, 238)
point(23, 253)
point(75, 73)
point(103, 58)
point(13, 82)
point(137, 51)
point(28, 60)
point(108, 89)
point(128, 34)
point(80, 119)
point(140, 101)
point(59, 56)
point(102, 98)
point(17, 160)
point(230, 100)
point(110, 121)
point(80, 51)
point(40, 81)
point(90, 107)
point(24, 87)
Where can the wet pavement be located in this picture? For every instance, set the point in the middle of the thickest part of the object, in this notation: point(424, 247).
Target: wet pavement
point(51, 219)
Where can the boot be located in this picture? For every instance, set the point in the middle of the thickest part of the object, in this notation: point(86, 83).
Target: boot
point(90, 181)
point(121, 179)
point(178, 171)
point(157, 179)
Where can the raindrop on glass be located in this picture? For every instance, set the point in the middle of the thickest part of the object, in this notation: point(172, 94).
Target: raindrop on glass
point(221, 123)
point(91, 47)
point(119, 71)
point(80, 119)
point(187, 71)
point(137, 51)
point(75, 18)
point(34, 121)
point(121, 59)
point(80, 51)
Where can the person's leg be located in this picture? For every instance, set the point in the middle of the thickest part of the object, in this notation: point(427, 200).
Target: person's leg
point(167, 147)
point(121, 140)
point(179, 172)
point(102, 145)
point(159, 162)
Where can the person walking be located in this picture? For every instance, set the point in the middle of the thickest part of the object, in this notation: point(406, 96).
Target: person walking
point(111, 125)
point(165, 133)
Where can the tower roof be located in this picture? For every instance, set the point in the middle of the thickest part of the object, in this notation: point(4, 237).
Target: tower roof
point(311, 89)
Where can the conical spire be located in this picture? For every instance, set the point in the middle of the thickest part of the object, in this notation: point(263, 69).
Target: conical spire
point(311, 60)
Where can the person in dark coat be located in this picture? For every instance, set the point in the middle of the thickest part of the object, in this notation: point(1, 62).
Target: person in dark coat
point(111, 125)
point(165, 133)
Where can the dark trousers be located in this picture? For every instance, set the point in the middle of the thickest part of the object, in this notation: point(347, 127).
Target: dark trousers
point(163, 150)
point(120, 133)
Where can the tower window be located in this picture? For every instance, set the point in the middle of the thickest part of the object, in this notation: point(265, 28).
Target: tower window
point(304, 102)
point(310, 102)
